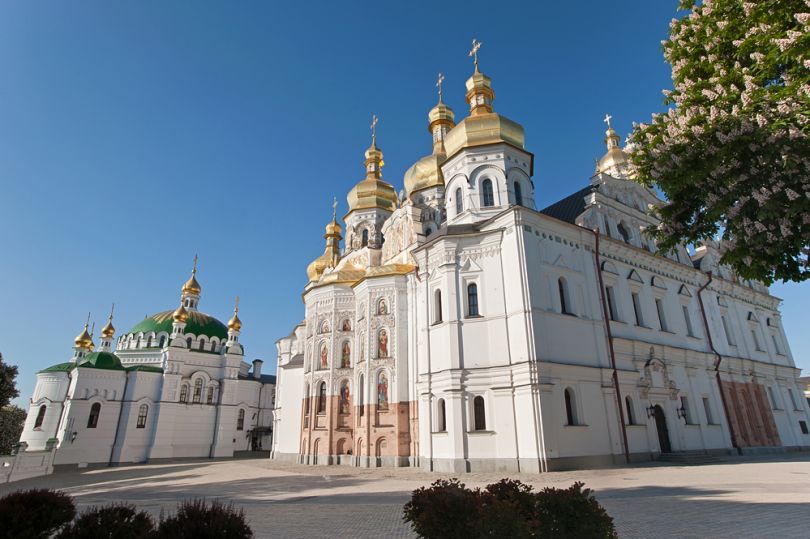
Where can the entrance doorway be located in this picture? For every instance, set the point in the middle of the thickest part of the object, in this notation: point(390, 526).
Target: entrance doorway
point(661, 426)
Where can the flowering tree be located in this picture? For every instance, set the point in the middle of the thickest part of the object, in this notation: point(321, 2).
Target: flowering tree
point(732, 154)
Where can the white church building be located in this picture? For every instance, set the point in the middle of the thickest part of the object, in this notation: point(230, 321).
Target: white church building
point(460, 329)
point(176, 385)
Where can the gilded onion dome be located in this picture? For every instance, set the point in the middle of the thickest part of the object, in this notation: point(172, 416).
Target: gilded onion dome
point(482, 126)
point(192, 286)
point(84, 340)
point(373, 191)
point(331, 255)
point(180, 314)
point(615, 162)
point(427, 172)
point(108, 331)
point(234, 323)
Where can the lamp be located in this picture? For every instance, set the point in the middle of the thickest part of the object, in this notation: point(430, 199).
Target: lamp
point(73, 436)
point(650, 411)
point(681, 412)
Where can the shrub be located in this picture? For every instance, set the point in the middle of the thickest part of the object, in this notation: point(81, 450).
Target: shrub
point(116, 521)
point(196, 519)
point(34, 514)
point(508, 508)
point(447, 509)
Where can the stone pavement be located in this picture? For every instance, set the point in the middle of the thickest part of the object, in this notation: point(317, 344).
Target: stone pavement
point(741, 498)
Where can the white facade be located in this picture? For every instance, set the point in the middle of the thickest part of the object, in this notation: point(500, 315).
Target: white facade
point(530, 340)
point(176, 386)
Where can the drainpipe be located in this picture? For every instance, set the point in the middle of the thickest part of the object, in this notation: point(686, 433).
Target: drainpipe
point(718, 359)
point(606, 317)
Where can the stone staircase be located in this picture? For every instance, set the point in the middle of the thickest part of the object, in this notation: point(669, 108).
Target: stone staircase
point(689, 458)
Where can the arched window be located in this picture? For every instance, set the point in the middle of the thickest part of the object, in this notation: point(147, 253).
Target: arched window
point(459, 201)
point(210, 397)
point(240, 420)
point(149, 342)
point(365, 237)
point(360, 395)
point(472, 300)
point(40, 416)
point(143, 411)
point(202, 344)
point(631, 413)
point(487, 196)
point(518, 194)
point(162, 340)
point(197, 391)
point(184, 393)
point(437, 306)
point(441, 419)
point(213, 346)
point(188, 343)
point(570, 407)
point(92, 420)
point(322, 398)
point(565, 303)
point(623, 232)
point(478, 413)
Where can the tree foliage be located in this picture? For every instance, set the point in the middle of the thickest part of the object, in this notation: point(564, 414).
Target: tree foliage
point(12, 421)
point(732, 154)
point(34, 514)
point(8, 389)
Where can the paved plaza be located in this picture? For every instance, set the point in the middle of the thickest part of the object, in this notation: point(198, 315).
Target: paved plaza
point(753, 497)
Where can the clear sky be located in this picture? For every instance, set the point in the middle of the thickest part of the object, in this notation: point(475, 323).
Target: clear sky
point(136, 134)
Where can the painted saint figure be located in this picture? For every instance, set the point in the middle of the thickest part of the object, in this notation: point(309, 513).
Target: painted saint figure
point(324, 356)
point(383, 307)
point(382, 347)
point(344, 397)
point(325, 326)
point(345, 355)
point(347, 326)
point(382, 391)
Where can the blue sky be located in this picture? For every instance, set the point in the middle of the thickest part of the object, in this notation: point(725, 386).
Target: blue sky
point(134, 135)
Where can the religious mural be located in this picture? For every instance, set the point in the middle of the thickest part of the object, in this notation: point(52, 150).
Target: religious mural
point(382, 307)
point(346, 326)
point(344, 404)
point(324, 326)
point(324, 356)
point(382, 391)
point(382, 346)
point(345, 355)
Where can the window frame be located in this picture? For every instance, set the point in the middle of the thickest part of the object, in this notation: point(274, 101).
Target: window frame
point(143, 414)
point(487, 193)
point(479, 409)
point(95, 412)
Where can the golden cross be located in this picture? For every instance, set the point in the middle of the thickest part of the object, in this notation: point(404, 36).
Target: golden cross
point(374, 121)
point(87, 323)
point(334, 208)
point(236, 307)
point(607, 119)
point(439, 82)
point(112, 310)
point(474, 52)
point(195, 264)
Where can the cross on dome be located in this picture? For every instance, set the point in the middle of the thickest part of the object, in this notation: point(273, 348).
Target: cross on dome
point(439, 82)
point(474, 52)
point(607, 120)
point(374, 121)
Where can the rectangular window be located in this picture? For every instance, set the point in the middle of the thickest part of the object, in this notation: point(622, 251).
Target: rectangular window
point(659, 307)
point(727, 329)
point(637, 310)
point(803, 426)
point(707, 407)
point(776, 344)
point(689, 330)
point(792, 400)
point(611, 303)
point(756, 340)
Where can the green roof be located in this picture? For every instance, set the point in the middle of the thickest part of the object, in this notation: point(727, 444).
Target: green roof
point(198, 324)
point(60, 367)
point(145, 368)
point(101, 360)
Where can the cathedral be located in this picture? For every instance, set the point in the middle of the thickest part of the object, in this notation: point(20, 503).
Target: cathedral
point(174, 386)
point(457, 328)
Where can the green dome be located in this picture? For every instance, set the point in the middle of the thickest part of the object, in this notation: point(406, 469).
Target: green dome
point(101, 360)
point(198, 324)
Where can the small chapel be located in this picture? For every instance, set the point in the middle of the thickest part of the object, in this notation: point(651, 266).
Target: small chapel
point(457, 327)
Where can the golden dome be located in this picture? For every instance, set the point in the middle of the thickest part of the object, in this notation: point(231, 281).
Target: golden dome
point(615, 162)
point(180, 314)
point(84, 340)
point(108, 331)
point(373, 191)
point(425, 173)
point(331, 255)
point(234, 323)
point(482, 126)
point(192, 286)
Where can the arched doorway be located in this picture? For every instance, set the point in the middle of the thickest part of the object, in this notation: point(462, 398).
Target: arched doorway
point(661, 426)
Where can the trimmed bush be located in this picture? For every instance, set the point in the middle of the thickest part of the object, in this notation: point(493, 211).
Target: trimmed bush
point(196, 519)
point(34, 514)
point(116, 521)
point(508, 508)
